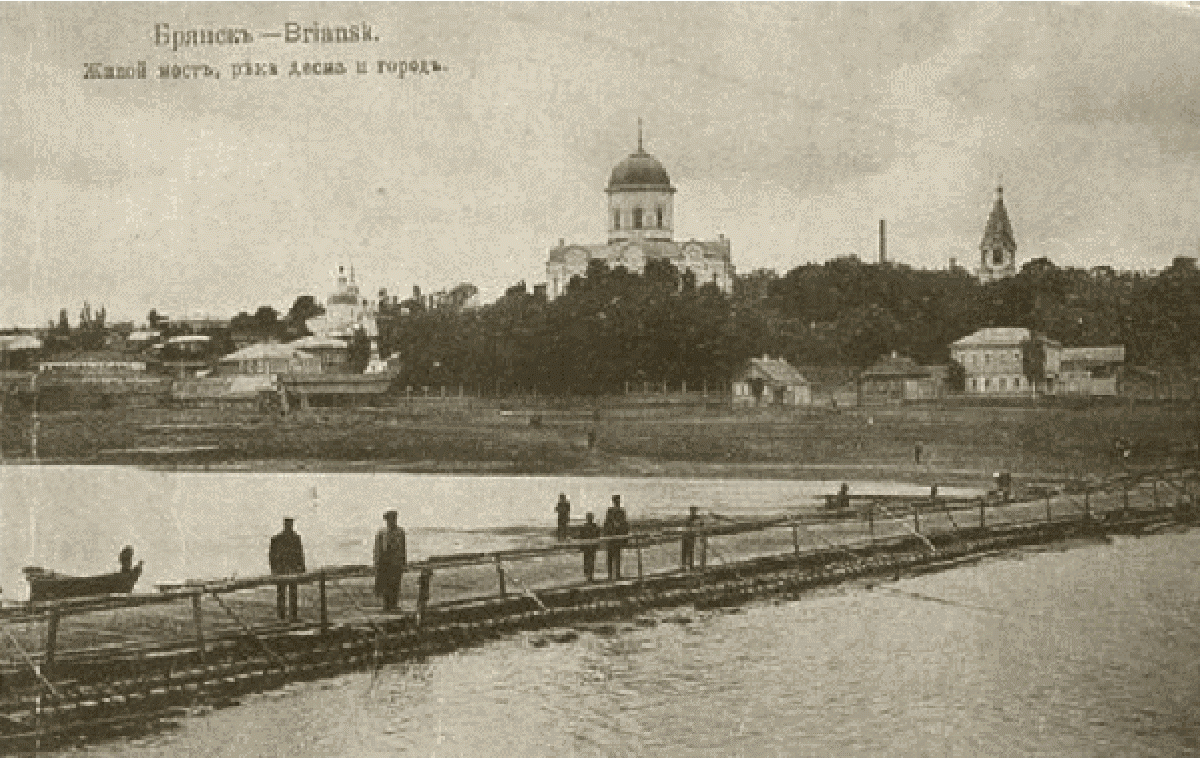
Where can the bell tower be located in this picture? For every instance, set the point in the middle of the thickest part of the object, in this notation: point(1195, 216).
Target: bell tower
point(998, 249)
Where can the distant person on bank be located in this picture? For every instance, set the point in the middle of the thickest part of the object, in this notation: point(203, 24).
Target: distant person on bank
point(589, 531)
point(391, 557)
point(563, 508)
point(615, 525)
point(286, 556)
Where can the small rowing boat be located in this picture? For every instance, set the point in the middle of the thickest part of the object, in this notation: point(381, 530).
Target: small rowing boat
point(50, 585)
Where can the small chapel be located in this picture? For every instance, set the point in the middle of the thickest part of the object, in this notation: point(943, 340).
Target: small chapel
point(641, 218)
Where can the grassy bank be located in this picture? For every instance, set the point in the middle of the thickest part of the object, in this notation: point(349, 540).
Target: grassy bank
point(649, 437)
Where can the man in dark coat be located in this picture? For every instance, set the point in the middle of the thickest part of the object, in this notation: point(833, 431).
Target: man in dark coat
point(615, 524)
point(286, 557)
point(589, 531)
point(391, 556)
point(563, 508)
point(688, 545)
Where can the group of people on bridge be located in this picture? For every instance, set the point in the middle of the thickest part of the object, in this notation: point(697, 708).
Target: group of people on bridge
point(616, 525)
point(286, 556)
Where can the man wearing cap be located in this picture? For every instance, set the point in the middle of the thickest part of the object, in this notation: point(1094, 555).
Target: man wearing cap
point(615, 524)
point(589, 531)
point(390, 559)
point(563, 508)
point(286, 557)
point(688, 544)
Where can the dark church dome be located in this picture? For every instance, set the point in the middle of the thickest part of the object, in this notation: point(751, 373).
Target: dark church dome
point(640, 170)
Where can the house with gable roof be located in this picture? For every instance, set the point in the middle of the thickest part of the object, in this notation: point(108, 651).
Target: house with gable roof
point(770, 381)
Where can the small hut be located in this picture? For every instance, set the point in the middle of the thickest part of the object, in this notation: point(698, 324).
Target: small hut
point(770, 381)
point(896, 378)
point(269, 358)
point(333, 353)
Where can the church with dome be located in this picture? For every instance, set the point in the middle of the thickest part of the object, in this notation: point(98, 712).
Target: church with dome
point(641, 217)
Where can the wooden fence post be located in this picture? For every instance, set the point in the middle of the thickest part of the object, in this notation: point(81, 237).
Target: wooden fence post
point(982, 513)
point(796, 541)
point(703, 551)
point(1049, 516)
point(1125, 498)
point(198, 622)
point(917, 517)
point(1087, 503)
point(871, 519)
point(500, 573)
point(324, 604)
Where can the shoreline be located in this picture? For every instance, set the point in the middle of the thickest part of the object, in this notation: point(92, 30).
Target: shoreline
point(624, 467)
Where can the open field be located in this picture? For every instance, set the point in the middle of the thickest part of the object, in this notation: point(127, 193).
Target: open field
point(633, 437)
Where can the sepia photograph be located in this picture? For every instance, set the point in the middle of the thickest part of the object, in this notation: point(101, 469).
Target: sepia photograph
point(599, 379)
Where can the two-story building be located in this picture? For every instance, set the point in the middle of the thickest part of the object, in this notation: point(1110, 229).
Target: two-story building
point(1010, 360)
point(994, 361)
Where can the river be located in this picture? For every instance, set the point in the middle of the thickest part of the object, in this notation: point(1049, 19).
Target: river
point(202, 525)
point(1092, 650)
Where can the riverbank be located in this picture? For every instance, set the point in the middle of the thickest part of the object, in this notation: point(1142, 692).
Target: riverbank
point(958, 443)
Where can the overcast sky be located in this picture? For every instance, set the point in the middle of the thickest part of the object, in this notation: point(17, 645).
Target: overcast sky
point(792, 129)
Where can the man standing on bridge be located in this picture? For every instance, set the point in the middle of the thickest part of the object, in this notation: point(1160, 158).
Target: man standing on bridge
point(615, 524)
point(391, 556)
point(589, 531)
point(563, 508)
point(688, 544)
point(286, 556)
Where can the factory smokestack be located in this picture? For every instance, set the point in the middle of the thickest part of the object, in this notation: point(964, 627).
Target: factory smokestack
point(882, 241)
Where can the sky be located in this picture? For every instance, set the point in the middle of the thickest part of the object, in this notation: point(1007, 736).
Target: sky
point(792, 129)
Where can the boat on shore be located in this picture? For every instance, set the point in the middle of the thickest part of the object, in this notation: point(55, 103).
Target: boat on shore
point(50, 585)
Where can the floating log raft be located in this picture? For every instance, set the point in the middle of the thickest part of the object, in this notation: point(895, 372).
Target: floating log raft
point(209, 643)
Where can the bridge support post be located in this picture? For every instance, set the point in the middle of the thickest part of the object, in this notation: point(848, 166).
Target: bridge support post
point(51, 643)
point(637, 544)
point(322, 598)
point(423, 583)
point(198, 623)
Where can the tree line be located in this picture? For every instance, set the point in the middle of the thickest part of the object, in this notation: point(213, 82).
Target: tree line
point(614, 326)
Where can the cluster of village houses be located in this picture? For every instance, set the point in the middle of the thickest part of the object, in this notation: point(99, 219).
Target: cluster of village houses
point(640, 223)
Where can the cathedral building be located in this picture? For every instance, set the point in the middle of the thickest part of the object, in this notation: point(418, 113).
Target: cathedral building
point(998, 249)
point(641, 218)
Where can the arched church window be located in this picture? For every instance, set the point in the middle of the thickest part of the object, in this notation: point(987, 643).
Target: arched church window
point(660, 218)
point(998, 258)
point(637, 218)
point(616, 219)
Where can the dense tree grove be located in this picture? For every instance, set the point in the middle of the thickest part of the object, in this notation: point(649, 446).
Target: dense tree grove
point(614, 326)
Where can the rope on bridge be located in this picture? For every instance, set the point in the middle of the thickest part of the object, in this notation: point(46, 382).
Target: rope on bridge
point(270, 653)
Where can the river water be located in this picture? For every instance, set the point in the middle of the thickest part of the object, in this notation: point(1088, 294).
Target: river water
point(200, 525)
point(1091, 650)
